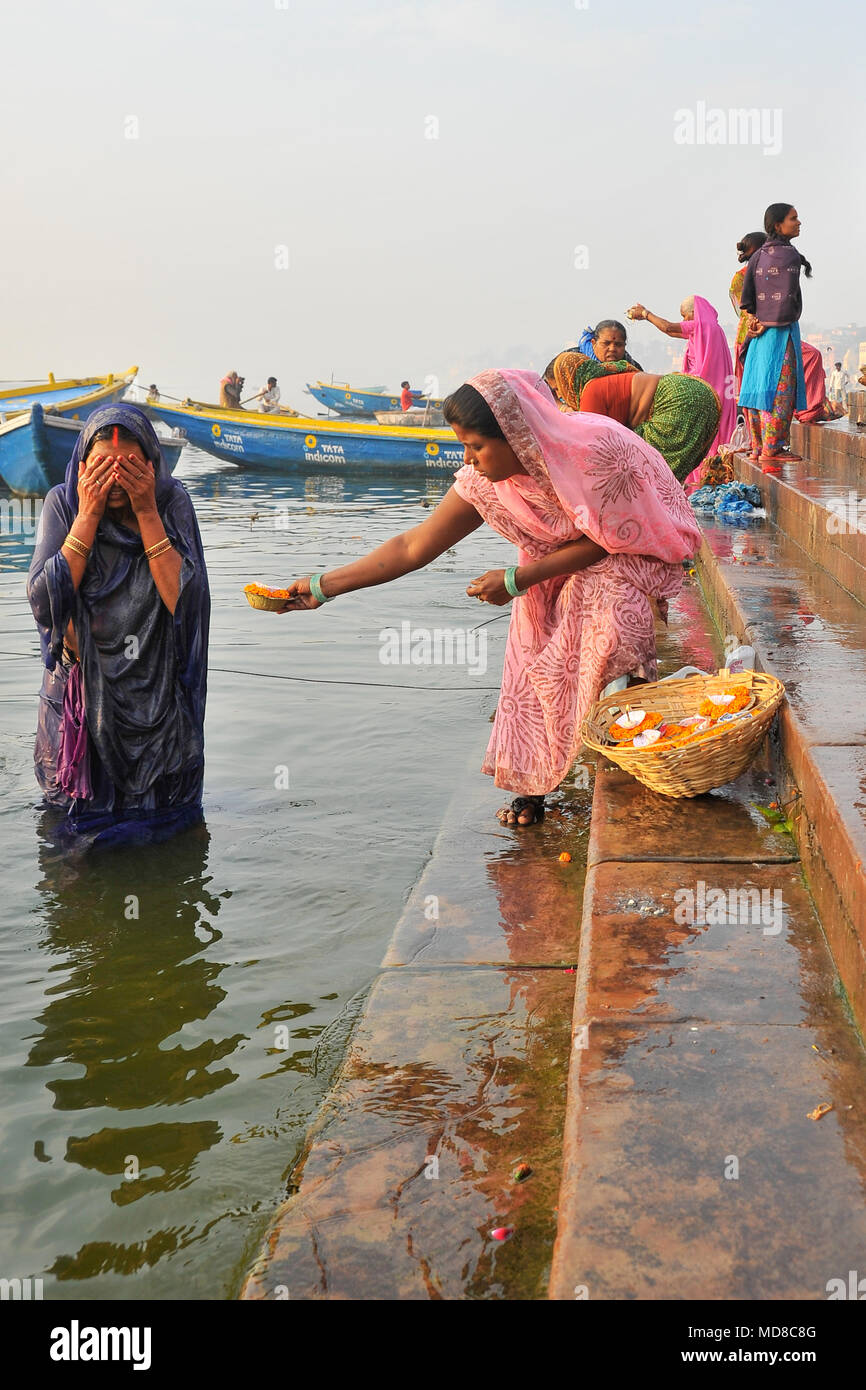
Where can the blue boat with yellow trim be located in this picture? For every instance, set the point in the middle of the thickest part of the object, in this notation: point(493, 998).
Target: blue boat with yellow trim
point(26, 450)
point(288, 441)
point(72, 396)
point(35, 449)
point(348, 400)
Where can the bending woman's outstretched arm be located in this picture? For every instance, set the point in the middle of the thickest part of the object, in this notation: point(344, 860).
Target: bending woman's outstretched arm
point(640, 311)
point(452, 520)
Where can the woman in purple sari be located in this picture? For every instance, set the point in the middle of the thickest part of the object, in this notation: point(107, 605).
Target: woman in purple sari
point(119, 591)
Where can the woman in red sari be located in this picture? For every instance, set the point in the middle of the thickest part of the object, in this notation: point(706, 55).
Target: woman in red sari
point(601, 528)
point(818, 408)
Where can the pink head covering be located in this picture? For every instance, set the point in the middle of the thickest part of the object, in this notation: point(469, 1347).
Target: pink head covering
point(619, 490)
point(708, 356)
point(707, 352)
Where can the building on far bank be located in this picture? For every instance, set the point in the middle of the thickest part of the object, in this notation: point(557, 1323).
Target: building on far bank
point(846, 344)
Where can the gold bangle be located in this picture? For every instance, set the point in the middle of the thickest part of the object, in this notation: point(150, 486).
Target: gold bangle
point(159, 549)
point(78, 546)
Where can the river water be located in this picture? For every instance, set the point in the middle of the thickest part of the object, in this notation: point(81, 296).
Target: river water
point(159, 1072)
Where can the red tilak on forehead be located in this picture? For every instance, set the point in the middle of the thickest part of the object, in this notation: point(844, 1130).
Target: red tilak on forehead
point(114, 437)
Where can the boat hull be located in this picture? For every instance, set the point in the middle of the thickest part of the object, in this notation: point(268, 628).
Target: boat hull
point(345, 401)
point(267, 441)
point(36, 447)
point(75, 397)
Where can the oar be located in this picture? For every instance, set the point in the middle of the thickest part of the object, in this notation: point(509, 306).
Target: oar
point(180, 399)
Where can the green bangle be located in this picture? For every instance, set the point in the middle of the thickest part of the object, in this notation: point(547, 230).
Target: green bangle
point(316, 588)
point(511, 583)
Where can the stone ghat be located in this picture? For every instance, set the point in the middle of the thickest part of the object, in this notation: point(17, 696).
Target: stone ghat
point(793, 586)
point(706, 1031)
point(704, 1022)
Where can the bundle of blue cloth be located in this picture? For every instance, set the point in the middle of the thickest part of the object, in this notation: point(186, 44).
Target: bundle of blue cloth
point(732, 501)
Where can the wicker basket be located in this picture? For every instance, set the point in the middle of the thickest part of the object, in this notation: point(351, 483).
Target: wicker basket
point(266, 601)
point(689, 768)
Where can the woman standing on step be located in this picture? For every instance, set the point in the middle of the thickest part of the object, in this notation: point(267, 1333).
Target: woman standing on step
point(746, 248)
point(773, 384)
point(600, 526)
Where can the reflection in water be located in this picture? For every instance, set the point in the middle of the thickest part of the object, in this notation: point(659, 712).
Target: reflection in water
point(133, 928)
point(160, 1096)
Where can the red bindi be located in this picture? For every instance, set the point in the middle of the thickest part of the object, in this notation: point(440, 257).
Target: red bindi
point(114, 437)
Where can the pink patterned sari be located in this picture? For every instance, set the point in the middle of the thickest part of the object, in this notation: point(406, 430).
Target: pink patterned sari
point(569, 636)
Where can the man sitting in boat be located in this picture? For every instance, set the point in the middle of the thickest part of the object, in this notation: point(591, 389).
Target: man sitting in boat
point(230, 391)
point(406, 401)
point(269, 397)
point(152, 393)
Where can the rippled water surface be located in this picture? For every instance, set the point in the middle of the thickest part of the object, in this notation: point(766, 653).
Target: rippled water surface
point(152, 1110)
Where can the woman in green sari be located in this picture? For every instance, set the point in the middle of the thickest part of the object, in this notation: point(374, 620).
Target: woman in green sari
point(677, 414)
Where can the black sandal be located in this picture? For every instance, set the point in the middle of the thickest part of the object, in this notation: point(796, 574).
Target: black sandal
point(518, 805)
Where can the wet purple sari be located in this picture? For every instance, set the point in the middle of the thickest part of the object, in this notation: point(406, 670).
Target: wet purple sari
point(132, 768)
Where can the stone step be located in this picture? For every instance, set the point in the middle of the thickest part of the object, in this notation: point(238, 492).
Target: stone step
point(460, 1055)
point(701, 1045)
point(453, 1078)
point(821, 506)
point(810, 632)
point(822, 443)
point(455, 1074)
point(709, 1021)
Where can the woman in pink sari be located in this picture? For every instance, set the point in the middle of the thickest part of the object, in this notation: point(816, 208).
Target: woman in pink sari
point(601, 527)
point(708, 356)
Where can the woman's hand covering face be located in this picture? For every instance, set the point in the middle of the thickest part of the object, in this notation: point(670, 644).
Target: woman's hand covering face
point(95, 479)
point(138, 480)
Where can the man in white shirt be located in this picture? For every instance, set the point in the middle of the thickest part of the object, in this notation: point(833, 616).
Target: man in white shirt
point(838, 385)
point(269, 397)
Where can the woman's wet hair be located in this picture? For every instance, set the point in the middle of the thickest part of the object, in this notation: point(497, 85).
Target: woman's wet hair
point(751, 242)
point(777, 212)
point(467, 408)
point(610, 323)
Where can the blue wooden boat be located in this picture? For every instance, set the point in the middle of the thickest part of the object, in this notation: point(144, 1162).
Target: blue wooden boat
point(315, 445)
point(74, 396)
point(20, 467)
point(346, 400)
point(36, 446)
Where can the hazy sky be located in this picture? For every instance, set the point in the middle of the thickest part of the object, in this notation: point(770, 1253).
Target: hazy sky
point(259, 126)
